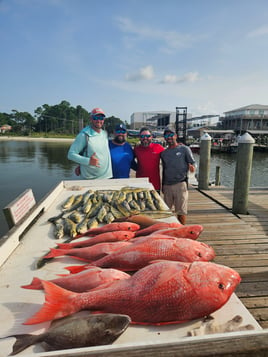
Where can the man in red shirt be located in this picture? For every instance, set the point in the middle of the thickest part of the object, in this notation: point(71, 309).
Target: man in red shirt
point(148, 158)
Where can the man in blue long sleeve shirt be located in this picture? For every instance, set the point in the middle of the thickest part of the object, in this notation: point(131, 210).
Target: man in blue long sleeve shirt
point(91, 149)
point(122, 154)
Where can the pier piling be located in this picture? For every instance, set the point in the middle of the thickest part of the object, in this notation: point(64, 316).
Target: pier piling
point(204, 162)
point(242, 174)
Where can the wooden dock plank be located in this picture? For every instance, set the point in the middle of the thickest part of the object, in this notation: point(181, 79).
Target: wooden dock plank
point(240, 241)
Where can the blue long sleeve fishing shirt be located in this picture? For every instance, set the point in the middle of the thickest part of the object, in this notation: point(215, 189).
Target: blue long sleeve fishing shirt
point(88, 142)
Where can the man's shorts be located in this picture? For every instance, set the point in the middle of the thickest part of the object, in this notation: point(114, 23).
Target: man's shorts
point(176, 195)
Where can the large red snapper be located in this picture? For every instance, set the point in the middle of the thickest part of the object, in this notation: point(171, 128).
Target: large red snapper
point(87, 279)
point(160, 293)
point(145, 249)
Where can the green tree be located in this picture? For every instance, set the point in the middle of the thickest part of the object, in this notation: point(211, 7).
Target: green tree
point(23, 122)
point(60, 118)
point(110, 123)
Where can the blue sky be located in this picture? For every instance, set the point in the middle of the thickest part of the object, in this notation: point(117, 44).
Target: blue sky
point(130, 56)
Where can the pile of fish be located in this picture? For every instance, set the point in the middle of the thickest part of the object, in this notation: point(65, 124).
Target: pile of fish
point(138, 269)
point(88, 210)
point(163, 268)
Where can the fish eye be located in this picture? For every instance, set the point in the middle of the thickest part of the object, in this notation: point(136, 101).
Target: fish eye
point(199, 255)
point(221, 286)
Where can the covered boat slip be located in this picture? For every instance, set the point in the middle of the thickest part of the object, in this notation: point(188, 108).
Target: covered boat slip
point(20, 252)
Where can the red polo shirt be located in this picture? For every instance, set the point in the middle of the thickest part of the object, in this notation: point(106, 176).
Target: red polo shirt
point(148, 158)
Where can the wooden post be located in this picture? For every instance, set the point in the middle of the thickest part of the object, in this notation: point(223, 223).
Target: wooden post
point(218, 176)
point(242, 173)
point(204, 162)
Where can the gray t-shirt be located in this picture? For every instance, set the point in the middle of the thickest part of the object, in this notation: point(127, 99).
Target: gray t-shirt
point(175, 164)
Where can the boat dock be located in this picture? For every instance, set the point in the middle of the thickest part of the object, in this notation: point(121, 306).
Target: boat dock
point(240, 241)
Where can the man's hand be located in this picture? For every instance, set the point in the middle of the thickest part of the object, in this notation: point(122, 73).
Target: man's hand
point(191, 168)
point(94, 161)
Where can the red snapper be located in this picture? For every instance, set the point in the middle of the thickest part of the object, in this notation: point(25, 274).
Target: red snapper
point(161, 293)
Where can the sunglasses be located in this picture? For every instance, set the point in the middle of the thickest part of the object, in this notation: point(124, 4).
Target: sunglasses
point(169, 135)
point(145, 136)
point(97, 117)
point(120, 132)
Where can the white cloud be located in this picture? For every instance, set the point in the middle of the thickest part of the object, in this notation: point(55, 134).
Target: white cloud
point(172, 40)
point(144, 73)
point(187, 77)
point(260, 31)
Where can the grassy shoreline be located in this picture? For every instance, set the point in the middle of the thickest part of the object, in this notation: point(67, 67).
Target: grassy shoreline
point(29, 138)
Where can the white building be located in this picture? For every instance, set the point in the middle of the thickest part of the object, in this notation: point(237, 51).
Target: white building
point(155, 120)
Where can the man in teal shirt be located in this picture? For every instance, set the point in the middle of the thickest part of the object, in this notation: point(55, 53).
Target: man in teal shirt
point(90, 149)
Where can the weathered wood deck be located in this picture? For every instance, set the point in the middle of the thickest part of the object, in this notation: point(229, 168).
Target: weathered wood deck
point(240, 241)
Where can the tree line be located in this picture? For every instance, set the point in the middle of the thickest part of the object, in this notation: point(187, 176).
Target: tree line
point(60, 119)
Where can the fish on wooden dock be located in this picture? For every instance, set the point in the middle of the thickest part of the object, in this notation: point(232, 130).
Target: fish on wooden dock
point(76, 332)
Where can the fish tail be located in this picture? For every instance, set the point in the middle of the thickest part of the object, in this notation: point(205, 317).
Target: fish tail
point(36, 284)
point(22, 342)
point(54, 252)
point(59, 303)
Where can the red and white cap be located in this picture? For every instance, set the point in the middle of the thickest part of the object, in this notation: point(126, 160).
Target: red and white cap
point(97, 111)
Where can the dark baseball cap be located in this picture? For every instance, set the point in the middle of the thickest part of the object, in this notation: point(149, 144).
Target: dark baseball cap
point(120, 127)
point(168, 130)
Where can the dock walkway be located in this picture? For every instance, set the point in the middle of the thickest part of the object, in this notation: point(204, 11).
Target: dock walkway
point(240, 241)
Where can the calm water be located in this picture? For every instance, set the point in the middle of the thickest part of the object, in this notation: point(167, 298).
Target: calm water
point(42, 165)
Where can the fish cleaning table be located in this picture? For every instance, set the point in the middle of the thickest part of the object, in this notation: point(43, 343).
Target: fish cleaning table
point(18, 259)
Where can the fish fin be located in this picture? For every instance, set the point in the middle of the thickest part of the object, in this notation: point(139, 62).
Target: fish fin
point(36, 284)
point(59, 303)
point(55, 252)
point(22, 342)
point(73, 269)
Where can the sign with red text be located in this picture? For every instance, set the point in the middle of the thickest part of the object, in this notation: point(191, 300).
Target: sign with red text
point(18, 208)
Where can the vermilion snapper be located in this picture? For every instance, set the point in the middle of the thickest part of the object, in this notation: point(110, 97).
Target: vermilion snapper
point(161, 293)
point(156, 227)
point(146, 249)
point(88, 254)
point(191, 232)
point(111, 227)
point(85, 280)
point(100, 238)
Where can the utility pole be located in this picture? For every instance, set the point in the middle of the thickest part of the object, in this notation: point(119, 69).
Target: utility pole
point(181, 112)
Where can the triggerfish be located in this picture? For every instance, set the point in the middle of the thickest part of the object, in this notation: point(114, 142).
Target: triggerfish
point(76, 332)
point(163, 292)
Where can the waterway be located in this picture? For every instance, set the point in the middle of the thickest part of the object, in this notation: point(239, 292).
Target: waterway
point(42, 165)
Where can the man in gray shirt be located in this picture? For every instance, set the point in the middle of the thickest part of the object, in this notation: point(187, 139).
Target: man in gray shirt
point(177, 159)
